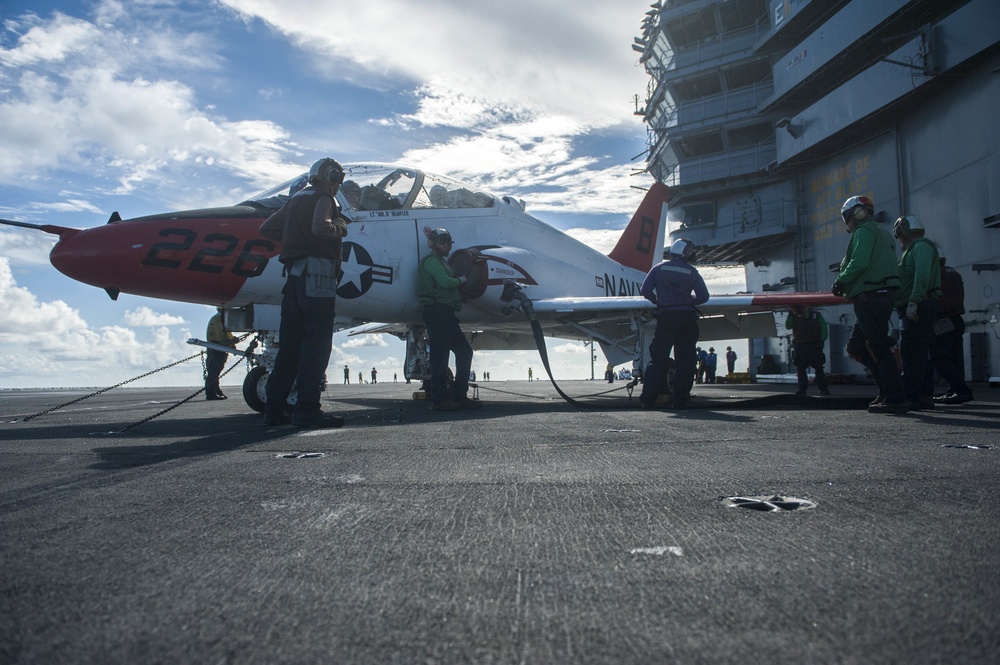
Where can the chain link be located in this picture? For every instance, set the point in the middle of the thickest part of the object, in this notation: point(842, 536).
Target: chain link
point(104, 390)
point(200, 354)
point(235, 364)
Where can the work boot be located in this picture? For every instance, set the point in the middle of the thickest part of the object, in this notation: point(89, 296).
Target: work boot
point(316, 420)
point(889, 407)
point(880, 399)
point(280, 418)
point(680, 401)
point(955, 398)
point(468, 403)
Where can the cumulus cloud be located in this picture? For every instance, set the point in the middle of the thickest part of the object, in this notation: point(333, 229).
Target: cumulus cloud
point(65, 350)
point(365, 341)
point(520, 88)
point(147, 318)
point(119, 91)
point(80, 94)
point(532, 55)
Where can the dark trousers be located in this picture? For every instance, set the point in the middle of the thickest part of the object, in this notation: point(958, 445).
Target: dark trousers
point(446, 337)
point(870, 341)
point(915, 342)
point(305, 340)
point(810, 354)
point(676, 330)
point(215, 361)
point(948, 356)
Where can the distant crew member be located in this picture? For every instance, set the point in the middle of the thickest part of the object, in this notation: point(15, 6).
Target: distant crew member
point(311, 230)
point(676, 288)
point(947, 352)
point(374, 375)
point(529, 374)
point(869, 278)
point(809, 333)
point(216, 360)
point(730, 360)
point(438, 292)
point(702, 357)
point(711, 363)
point(347, 375)
point(916, 306)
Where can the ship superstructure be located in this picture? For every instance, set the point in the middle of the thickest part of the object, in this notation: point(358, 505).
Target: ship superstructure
point(763, 116)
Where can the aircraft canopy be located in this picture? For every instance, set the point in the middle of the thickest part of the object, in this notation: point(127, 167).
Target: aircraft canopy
point(387, 187)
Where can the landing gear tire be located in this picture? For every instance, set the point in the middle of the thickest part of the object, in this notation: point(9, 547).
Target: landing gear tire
point(668, 376)
point(255, 388)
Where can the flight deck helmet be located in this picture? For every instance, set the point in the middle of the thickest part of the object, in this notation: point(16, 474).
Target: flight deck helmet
point(906, 225)
point(682, 249)
point(440, 237)
point(327, 172)
point(857, 208)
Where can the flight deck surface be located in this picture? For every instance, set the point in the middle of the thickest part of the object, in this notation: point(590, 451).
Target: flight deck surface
point(527, 532)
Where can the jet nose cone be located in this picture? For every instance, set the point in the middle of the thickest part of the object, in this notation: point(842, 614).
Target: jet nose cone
point(75, 257)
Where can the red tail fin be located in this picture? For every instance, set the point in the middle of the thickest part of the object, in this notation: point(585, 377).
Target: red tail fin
point(641, 244)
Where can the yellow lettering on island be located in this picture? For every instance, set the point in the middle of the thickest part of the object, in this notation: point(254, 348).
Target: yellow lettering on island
point(831, 189)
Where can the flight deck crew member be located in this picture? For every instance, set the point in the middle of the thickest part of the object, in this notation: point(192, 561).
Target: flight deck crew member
point(947, 352)
point(310, 229)
point(711, 363)
point(438, 293)
point(215, 360)
point(809, 332)
point(869, 278)
point(730, 359)
point(916, 306)
point(669, 285)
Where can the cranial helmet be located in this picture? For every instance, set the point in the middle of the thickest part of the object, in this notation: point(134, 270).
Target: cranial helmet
point(857, 208)
point(440, 237)
point(906, 225)
point(327, 171)
point(682, 249)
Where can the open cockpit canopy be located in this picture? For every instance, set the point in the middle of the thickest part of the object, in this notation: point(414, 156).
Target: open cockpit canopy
point(386, 187)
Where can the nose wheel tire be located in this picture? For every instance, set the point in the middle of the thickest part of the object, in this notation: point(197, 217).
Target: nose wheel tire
point(255, 388)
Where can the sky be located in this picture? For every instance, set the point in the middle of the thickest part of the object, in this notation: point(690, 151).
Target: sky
point(149, 106)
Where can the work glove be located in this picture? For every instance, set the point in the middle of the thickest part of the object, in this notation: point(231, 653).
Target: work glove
point(911, 312)
point(462, 279)
point(838, 289)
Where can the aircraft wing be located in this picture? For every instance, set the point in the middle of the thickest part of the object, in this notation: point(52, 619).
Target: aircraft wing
point(737, 303)
point(609, 319)
point(398, 329)
point(728, 316)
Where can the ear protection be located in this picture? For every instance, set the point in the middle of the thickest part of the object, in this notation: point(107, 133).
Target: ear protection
point(859, 213)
